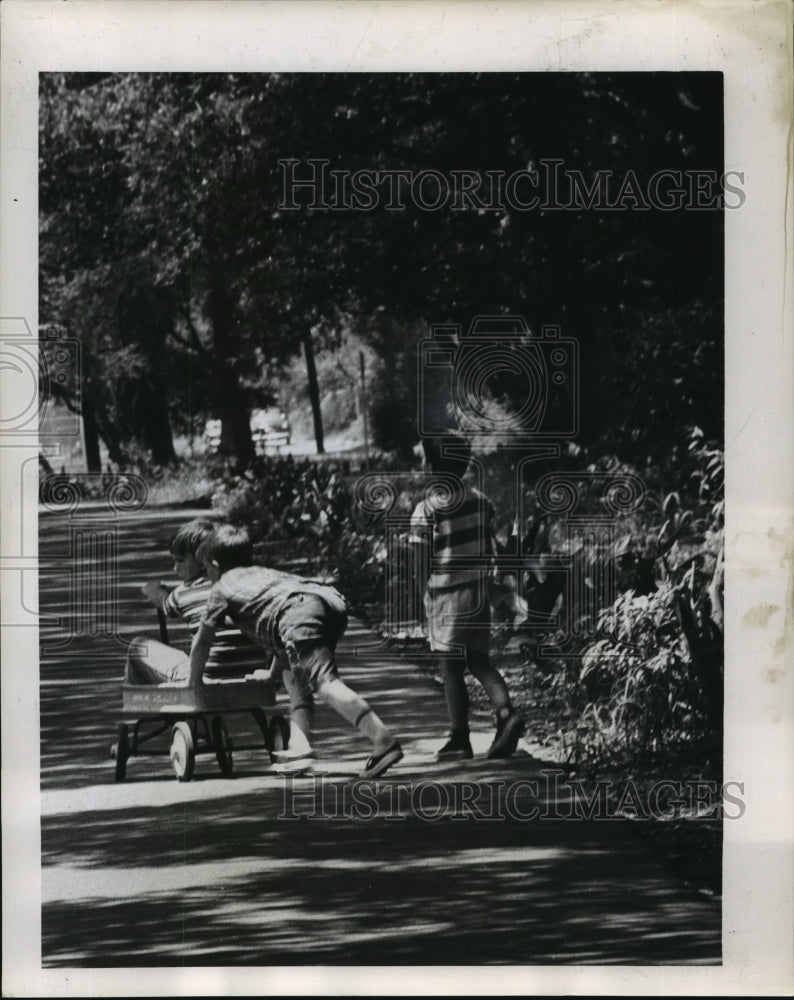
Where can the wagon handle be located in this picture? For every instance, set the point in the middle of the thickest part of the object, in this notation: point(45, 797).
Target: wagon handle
point(163, 626)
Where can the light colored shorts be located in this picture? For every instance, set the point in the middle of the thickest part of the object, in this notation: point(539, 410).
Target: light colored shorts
point(459, 619)
point(308, 630)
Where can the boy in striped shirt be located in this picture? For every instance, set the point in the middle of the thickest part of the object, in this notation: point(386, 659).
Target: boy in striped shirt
point(455, 525)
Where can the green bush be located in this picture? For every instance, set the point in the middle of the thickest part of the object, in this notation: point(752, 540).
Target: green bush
point(649, 686)
point(301, 515)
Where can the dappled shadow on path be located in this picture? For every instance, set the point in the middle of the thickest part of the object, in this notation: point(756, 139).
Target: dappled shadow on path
point(232, 887)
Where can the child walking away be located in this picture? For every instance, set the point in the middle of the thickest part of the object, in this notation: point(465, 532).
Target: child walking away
point(232, 653)
point(453, 524)
point(298, 620)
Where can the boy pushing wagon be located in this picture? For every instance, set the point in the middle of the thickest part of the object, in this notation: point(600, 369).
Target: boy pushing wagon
point(298, 621)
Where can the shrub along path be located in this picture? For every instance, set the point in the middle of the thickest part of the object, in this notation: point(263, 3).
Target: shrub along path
point(462, 864)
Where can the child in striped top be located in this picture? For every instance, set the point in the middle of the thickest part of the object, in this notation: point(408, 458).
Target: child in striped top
point(454, 524)
point(151, 662)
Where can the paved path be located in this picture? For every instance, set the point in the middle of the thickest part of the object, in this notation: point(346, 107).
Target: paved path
point(463, 864)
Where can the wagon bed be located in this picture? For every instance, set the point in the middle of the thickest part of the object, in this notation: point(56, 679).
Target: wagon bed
point(195, 718)
point(221, 695)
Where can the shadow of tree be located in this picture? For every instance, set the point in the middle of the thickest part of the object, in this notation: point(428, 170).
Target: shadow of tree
point(388, 891)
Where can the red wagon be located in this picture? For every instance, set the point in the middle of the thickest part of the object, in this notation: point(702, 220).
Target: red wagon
point(195, 718)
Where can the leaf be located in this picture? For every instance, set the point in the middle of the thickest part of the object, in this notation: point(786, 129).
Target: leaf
point(622, 545)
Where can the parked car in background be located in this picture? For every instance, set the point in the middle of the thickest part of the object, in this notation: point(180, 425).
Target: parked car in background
point(270, 430)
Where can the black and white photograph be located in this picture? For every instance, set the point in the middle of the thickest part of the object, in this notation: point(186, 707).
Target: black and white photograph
point(396, 456)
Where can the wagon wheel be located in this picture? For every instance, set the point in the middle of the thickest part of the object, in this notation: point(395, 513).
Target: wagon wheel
point(278, 734)
point(121, 751)
point(183, 752)
point(222, 742)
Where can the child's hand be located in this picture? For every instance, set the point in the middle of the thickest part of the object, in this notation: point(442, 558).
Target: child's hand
point(260, 675)
point(155, 593)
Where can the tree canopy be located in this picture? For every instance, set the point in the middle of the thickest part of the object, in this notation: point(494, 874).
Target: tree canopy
point(172, 246)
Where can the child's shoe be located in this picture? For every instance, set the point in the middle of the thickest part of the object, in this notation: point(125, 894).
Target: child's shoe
point(457, 747)
point(508, 732)
point(291, 761)
point(289, 755)
point(380, 763)
point(293, 767)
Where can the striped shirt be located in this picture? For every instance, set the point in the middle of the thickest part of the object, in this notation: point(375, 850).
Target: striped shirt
point(188, 601)
point(232, 653)
point(457, 527)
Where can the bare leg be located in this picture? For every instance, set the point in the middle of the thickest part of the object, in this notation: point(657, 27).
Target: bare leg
point(356, 711)
point(152, 662)
point(457, 697)
point(301, 714)
point(480, 666)
point(314, 668)
point(509, 724)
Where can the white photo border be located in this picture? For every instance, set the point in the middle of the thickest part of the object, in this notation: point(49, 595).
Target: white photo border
point(751, 44)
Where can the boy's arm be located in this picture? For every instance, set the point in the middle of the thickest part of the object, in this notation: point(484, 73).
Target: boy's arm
point(214, 613)
point(199, 652)
point(155, 593)
point(421, 551)
point(491, 544)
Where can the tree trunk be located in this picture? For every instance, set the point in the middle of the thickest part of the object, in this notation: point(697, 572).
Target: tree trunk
point(155, 424)
point(145, 317)
point(93, 460)
point(314, 391)
point(109, 434)
point(235, 426)
point(236, 436)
